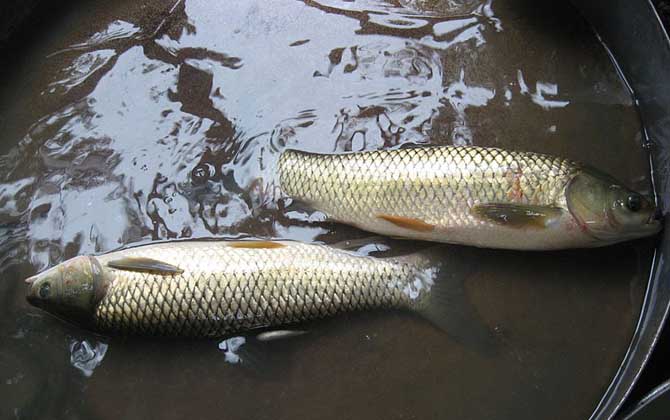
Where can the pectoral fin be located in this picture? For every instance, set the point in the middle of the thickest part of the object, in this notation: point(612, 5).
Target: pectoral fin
point(145, 265)
point(517, 215)
point(408, 223)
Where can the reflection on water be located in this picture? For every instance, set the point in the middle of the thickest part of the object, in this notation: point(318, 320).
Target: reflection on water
point(87, 357)
point(230, 347)
point(158, 121)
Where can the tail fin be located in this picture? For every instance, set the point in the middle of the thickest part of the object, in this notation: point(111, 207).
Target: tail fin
point(446, 304)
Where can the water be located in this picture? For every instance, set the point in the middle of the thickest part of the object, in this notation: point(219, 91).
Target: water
point(134, 121)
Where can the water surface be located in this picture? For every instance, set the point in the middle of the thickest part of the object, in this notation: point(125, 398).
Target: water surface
point(135, 121)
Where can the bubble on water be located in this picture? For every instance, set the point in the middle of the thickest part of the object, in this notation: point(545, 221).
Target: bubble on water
point(86, 357)
point(230, 346)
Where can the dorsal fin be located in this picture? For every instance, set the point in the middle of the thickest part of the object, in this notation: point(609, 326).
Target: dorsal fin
point(256, 244)
point(408, 223)
point(145, 265)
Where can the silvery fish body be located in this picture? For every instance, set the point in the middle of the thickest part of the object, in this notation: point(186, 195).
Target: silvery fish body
point(217, 288)
point(485, 197)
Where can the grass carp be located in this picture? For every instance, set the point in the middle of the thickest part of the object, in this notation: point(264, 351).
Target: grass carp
point(218, 288)
point(484, 197)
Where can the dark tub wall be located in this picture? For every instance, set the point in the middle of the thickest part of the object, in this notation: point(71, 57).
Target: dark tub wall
point(13, 13)
point(663, 7)
point(658, 369)
point(22, 20)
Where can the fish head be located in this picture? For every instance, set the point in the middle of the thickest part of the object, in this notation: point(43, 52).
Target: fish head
point(608, 211)
point(70, 290)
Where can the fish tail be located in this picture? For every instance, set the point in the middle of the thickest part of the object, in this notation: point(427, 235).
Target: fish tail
point(440, 296)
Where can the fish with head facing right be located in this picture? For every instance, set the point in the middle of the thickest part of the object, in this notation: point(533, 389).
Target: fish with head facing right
point(468, 195)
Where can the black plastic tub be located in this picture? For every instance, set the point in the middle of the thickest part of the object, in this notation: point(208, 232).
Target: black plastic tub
point(639, 44)
point(636, 41)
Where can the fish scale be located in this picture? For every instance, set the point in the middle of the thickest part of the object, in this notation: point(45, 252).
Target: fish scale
point(436, 186)
point(468, 195)
point(260, 288)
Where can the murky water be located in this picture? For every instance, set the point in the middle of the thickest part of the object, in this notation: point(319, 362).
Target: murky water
point(134, 121)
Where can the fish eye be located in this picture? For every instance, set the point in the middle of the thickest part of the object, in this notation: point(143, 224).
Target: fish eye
point(44, 290)
point(634, 202)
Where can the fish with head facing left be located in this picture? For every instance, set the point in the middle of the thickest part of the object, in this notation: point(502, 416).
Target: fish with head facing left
point(220, 288)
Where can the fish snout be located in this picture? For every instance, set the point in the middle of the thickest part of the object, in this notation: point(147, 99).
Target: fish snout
point(37, 289)
point(31, 292)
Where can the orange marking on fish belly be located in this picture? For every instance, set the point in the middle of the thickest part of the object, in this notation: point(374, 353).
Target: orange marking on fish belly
point(408, 223)
point(256, 244)
point(515, 193)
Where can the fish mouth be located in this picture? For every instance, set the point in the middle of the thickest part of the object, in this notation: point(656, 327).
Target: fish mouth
point(656, 217)
point(31, 292)
point(651, 228)
point(654, 225)
point(31, 296)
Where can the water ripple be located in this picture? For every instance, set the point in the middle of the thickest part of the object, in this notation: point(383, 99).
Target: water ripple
point(170, 126)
